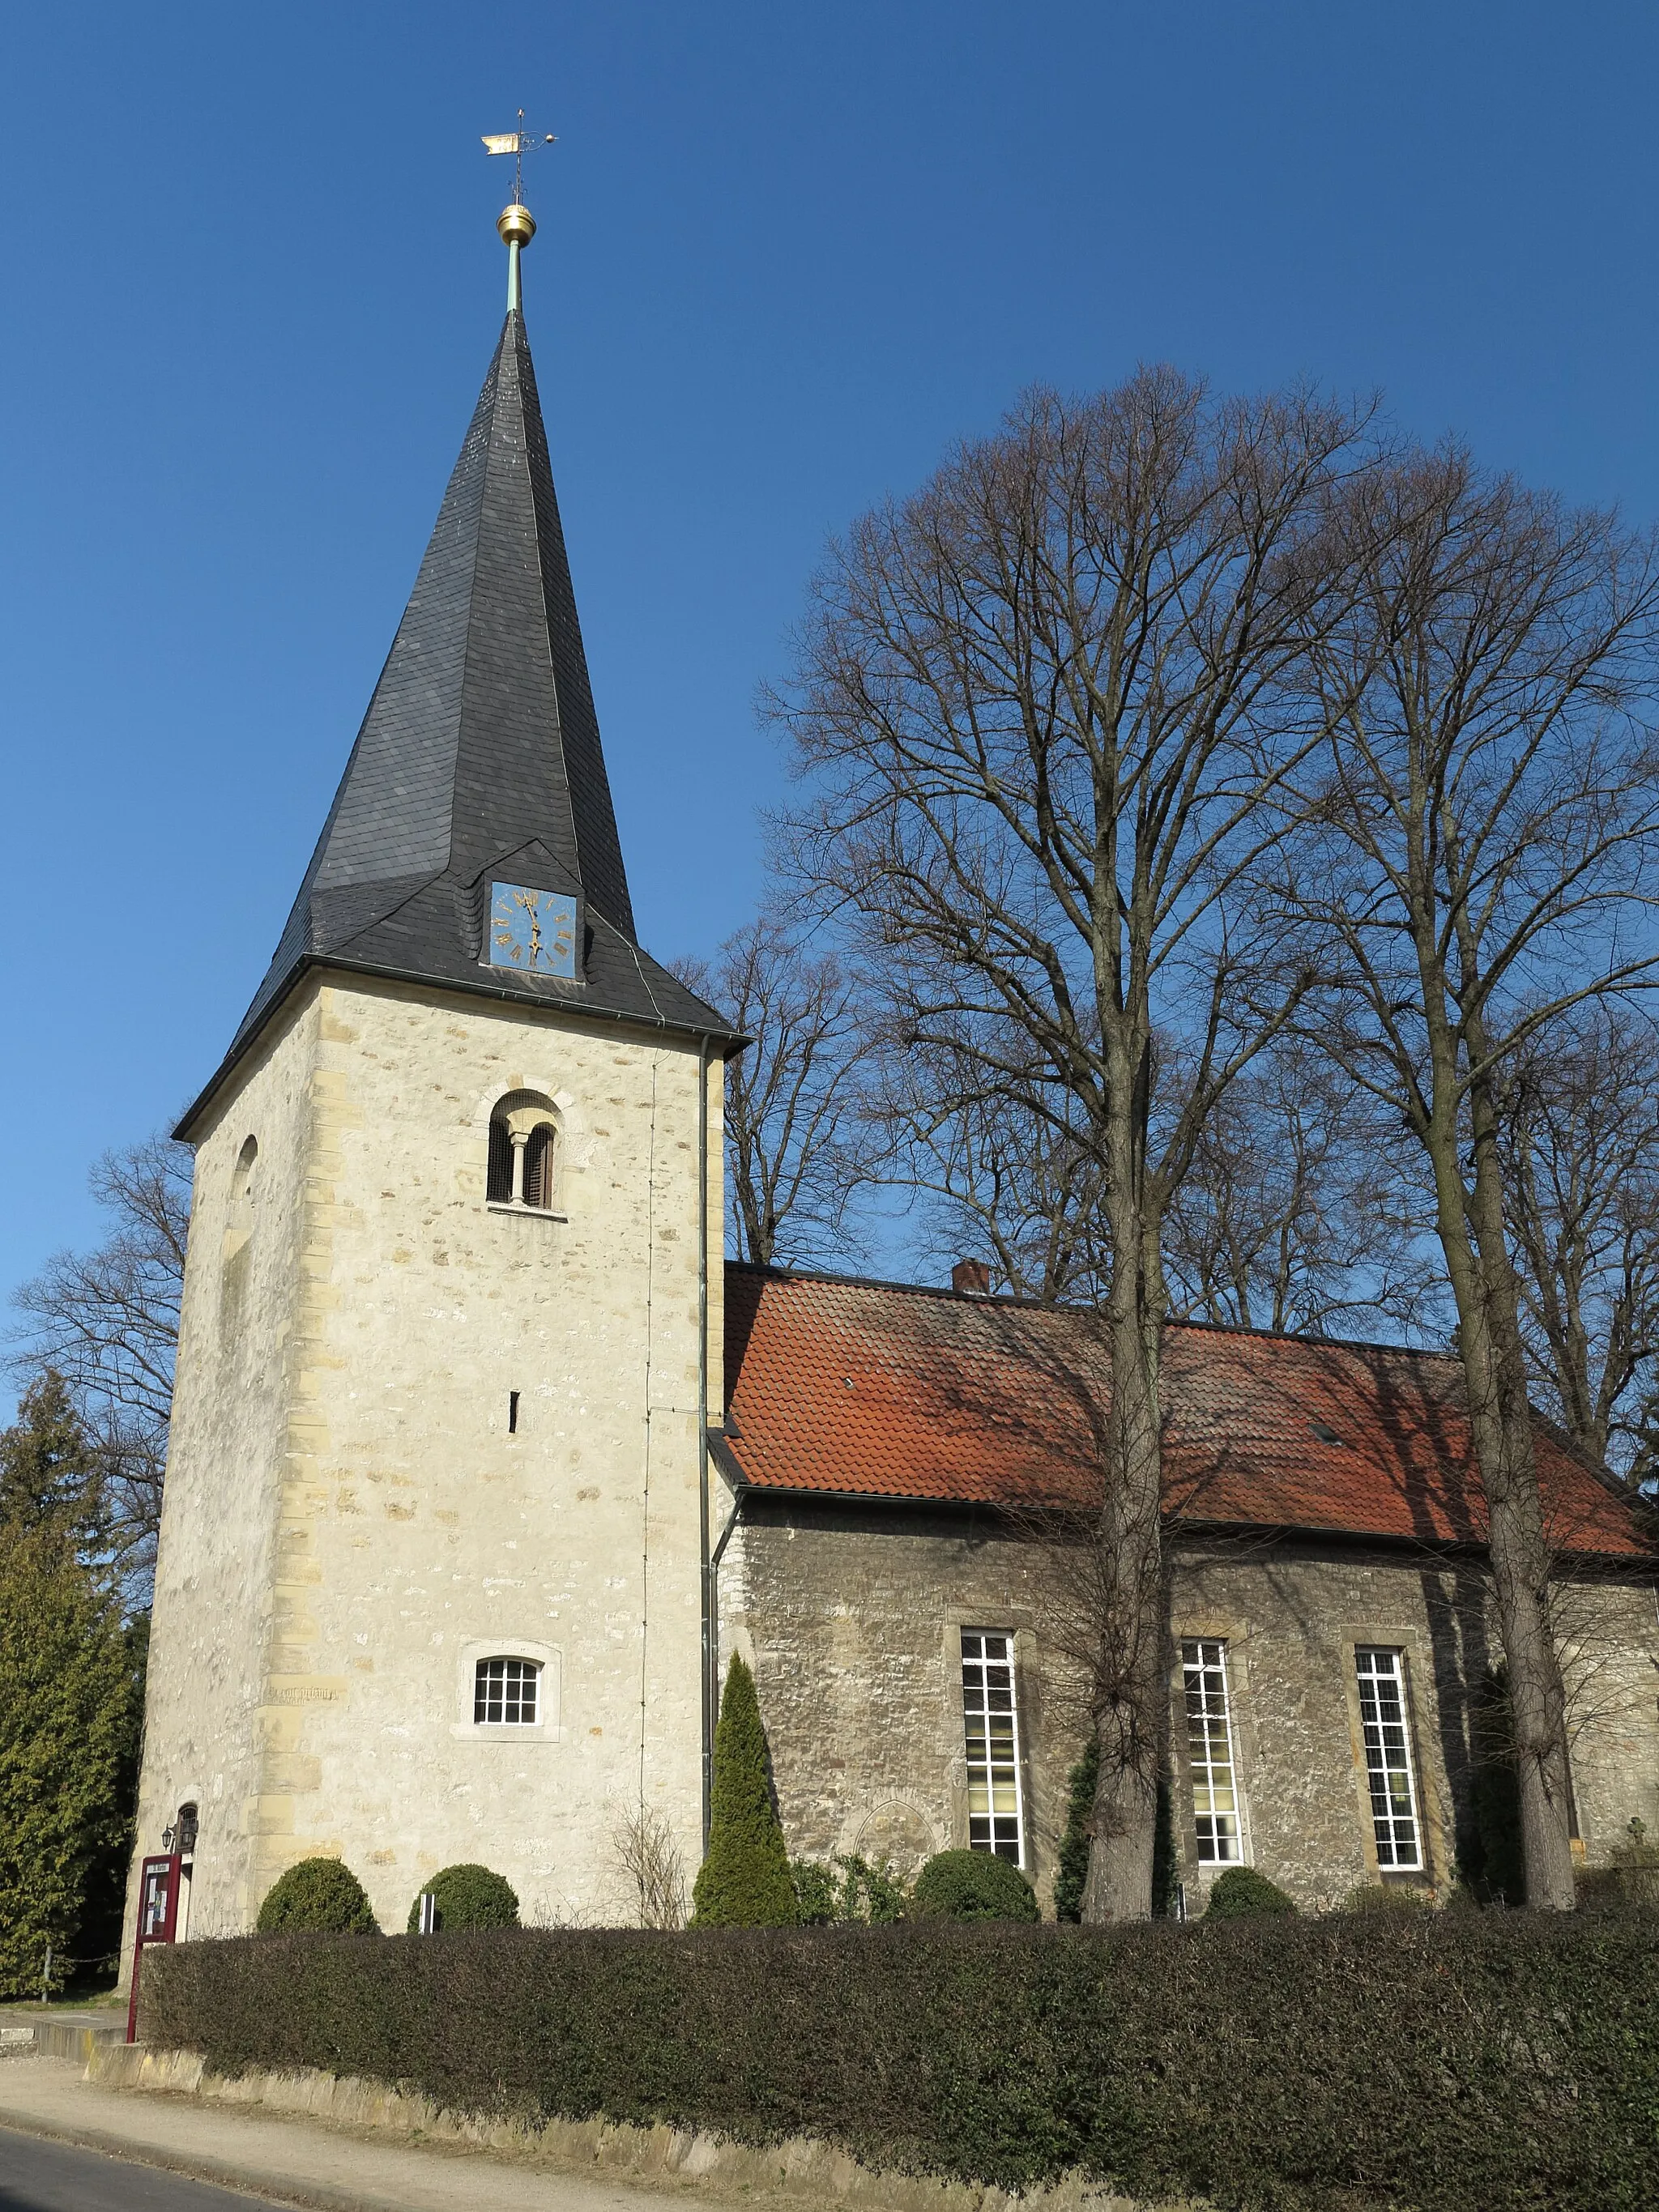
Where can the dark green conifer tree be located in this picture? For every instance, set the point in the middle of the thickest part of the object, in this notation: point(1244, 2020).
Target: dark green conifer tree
point(71, 1698)
point(1079, 1826)
point(744, 1881)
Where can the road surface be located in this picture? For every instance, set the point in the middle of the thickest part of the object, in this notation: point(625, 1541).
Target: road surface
point(36, 2175)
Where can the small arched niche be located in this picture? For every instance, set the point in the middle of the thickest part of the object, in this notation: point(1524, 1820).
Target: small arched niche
point(239, 1235)
point(525, 1150)
point(241, 1185)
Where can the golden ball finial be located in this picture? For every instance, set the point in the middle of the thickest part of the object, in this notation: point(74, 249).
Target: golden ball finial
point(516, 225)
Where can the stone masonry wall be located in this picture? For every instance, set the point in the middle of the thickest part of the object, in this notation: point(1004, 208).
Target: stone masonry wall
point(852, 1617)
point(349, 1523)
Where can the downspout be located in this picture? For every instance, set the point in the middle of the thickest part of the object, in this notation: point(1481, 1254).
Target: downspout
point(714, 1684)
point(706, 1565)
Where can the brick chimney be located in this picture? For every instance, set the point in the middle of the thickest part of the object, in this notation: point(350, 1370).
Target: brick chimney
point(971, 1279)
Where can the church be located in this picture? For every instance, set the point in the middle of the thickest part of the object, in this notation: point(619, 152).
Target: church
point(484, 1459)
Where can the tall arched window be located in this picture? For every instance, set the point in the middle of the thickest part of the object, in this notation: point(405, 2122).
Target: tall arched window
point(524, 1153)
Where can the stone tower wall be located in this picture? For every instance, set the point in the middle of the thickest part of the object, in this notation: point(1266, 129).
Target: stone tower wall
point(349, 1522)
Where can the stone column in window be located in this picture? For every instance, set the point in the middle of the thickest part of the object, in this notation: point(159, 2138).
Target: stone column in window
point(521, 1138)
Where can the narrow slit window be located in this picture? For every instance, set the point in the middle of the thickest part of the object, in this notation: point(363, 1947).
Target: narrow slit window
point(513, 1413)
point(1388, 1758)
point(991, 1723)
point(1210, 1752)
point(507, 1693)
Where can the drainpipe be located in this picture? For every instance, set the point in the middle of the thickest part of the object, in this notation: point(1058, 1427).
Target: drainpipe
point(706, 1565)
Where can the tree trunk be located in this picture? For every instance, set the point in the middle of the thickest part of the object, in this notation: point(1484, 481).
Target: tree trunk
point(1471, 1236)
point(1500, 1419)
point(1132, 1695)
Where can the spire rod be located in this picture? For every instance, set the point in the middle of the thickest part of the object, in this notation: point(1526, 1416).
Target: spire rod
point(516, 225)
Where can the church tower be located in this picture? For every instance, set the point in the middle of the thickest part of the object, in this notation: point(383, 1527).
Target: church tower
point(433, 1574)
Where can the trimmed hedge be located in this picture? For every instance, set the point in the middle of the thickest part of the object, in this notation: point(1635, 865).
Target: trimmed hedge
point(1449, 2062)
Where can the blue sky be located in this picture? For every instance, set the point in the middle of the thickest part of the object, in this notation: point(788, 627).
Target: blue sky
point(787, 255)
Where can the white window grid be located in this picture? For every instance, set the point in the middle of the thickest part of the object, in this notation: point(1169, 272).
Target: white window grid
point(507, 1693)
point(1211, 1752)
point(990, 1726)
point(1393, 1785)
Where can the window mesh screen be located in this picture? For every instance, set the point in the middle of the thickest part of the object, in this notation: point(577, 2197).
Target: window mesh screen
point(500, 1181)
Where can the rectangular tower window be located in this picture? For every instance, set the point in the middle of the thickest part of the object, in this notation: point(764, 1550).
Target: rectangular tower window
point(1210, 1751)
point(513, 1413)
point(507, 1692)
point(992, 1728)
point(1388, 1757)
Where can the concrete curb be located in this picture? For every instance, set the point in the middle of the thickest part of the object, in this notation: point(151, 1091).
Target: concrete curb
point(801, 2171)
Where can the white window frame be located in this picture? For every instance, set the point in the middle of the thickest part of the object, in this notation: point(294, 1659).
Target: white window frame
point(1385, 1727)
point(546, 1728)
point(993, 1769)
point(1203, 1657)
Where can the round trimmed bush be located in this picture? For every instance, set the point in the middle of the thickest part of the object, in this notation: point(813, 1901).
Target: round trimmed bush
point(321, 1895)
point(1241, 1892)
point(469, 1897)
point(974, 1885)
point(1387, 1897)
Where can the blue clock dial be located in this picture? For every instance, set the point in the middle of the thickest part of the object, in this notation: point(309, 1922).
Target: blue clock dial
point(534, 932)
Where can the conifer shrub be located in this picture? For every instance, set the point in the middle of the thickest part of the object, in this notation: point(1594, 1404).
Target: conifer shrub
point(744, 1880)
point(1078, 1840)
point(973, 1886)
point(1240, 1892)
point(468, 1896)
point(1471, 2062)
point(1493, 1862)
point(318, 1896)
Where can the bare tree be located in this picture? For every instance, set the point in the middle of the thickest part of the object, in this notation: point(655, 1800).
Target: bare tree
point(107, 1322)
point(1040, 704)
point(1296, 1212)
point(995, 1171)
point(1580, 1149)
point(792, 1127)
point(1488, 800)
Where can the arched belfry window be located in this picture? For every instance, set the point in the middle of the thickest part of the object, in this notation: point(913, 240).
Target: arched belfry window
point(524, 1153)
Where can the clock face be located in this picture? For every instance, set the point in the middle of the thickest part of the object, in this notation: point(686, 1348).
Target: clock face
point(534, 932)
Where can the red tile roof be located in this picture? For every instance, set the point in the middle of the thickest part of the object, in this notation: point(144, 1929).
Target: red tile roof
point(882, 1390)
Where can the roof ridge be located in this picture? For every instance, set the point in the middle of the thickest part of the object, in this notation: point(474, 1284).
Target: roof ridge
point(784, 1271)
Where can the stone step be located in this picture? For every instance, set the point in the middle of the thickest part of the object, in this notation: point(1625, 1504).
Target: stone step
point(77, 2035)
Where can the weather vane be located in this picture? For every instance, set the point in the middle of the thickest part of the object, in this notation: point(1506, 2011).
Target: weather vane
point(518, 143)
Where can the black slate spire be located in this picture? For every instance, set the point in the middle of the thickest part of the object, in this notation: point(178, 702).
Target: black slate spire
point(479, 758)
